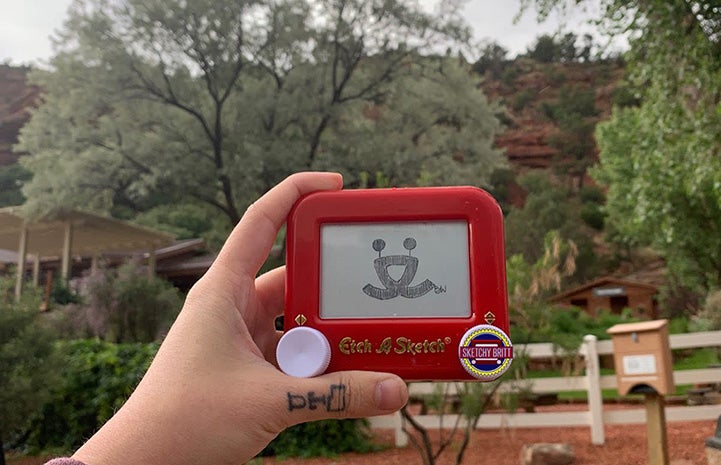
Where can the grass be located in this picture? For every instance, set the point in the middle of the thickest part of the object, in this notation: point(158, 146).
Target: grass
point(683, 360)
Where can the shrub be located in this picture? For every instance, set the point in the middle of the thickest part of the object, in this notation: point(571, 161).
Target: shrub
point(97, 378)
point(125, 305)
point(522, 99)
point(27, 361)
point(321, 438)
point(593, 216)
point(709, 318)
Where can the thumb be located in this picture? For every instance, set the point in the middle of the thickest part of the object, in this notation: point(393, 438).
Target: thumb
point(345, 394)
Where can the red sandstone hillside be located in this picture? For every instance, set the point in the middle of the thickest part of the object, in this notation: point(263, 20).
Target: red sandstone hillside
point(526, 85)
point(16, 99)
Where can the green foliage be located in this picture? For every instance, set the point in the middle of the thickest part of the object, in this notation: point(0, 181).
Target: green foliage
point(97, 378)
point(591, 194)
point(554, 76)
point(698, 359)
point(551, 48)
point(501, 180)
point(62, 294)
point(530, 284)
point(709, 318)
point(183, 221)
point(660, 159)
point(572, 103)
point(142, 109)
point(27, 360)
point(522, 99)
point(548, 207)
point(544, 50)
point(575, 113)
point(625, 96)
point(509, 75)
point(492, 60)
point(593, 216)
point(325, 438)
point(125, 305)
point(12, 178)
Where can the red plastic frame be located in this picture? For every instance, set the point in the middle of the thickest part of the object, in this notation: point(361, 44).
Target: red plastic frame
point(432, 353)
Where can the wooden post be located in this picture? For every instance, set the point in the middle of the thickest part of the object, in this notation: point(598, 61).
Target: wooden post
point(67, 253)
point(36, 270)
point(401, 437)
point(656, 429)
point(22, 257)
point(152, 263)
point(94, 264)
point(593, 384)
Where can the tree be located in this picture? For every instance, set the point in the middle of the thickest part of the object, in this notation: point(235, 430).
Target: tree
point(549, 208)
point(545, 50)
point(575, 113)
point(150, 103)
point(660, 160)
point(493, 59)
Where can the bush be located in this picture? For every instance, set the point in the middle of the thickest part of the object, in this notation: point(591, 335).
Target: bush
point(709, 318)
point(522, 99)
point(593, 216)
point(27, 361)
point(125, 305)
point(97, 377)
point(321, 438)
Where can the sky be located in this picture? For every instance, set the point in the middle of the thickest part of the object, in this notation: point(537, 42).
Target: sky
point(27, 25)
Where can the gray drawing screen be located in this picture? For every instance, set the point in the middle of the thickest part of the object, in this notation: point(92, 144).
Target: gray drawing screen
point(394, 270)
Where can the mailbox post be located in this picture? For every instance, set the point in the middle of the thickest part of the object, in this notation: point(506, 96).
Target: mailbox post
point(642, 357)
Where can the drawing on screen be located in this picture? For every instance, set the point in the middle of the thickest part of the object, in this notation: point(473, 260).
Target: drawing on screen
point(401, 286)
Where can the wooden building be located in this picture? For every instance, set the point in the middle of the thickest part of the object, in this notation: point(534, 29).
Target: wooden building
point(612, 295)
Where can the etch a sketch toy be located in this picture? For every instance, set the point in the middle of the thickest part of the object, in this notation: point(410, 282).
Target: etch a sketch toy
point(409, 281)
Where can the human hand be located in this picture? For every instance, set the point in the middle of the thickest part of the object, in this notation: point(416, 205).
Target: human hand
point(213, 393)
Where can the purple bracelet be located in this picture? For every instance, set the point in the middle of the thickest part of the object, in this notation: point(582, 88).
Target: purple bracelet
point(64, 461)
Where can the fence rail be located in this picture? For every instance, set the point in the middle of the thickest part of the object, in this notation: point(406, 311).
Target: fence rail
point(595, 417)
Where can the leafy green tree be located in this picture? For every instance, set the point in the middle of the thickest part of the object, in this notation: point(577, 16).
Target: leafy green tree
point(493, 59)
point(545, 50)
point(548, 208)
point(660, 160)
point(149, 103)
point(26, 361)
point(575, 113)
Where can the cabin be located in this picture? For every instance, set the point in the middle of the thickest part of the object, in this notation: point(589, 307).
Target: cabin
point(612, 295)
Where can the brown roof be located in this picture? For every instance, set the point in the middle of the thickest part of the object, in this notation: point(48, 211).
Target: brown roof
point(603, 282)
point(637, 327)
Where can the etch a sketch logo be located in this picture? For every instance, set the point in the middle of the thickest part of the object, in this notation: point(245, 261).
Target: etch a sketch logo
point(401, 286)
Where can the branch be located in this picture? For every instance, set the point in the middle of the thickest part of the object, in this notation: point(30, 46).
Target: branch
point(427, 449)
point(171, 98)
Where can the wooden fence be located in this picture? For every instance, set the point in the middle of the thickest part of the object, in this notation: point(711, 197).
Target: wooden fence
point(595, 417)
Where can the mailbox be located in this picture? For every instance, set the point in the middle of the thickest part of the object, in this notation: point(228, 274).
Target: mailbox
point(642, 357)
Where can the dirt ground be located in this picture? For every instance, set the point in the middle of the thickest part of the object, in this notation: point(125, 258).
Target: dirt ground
point(625, 445)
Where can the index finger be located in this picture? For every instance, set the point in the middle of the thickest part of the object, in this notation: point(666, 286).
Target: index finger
point(249, 244)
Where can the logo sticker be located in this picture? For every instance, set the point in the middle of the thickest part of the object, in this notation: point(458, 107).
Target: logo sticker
point(485, 352)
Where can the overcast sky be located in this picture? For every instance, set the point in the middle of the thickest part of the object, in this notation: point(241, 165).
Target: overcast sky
point(26, 26)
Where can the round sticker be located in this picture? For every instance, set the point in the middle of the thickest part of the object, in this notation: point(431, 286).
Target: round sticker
point(485, 352)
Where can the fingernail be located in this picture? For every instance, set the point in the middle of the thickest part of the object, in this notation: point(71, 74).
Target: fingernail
point(391, 394)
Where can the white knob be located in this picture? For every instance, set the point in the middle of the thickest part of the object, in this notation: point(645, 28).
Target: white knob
point(303, 352)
